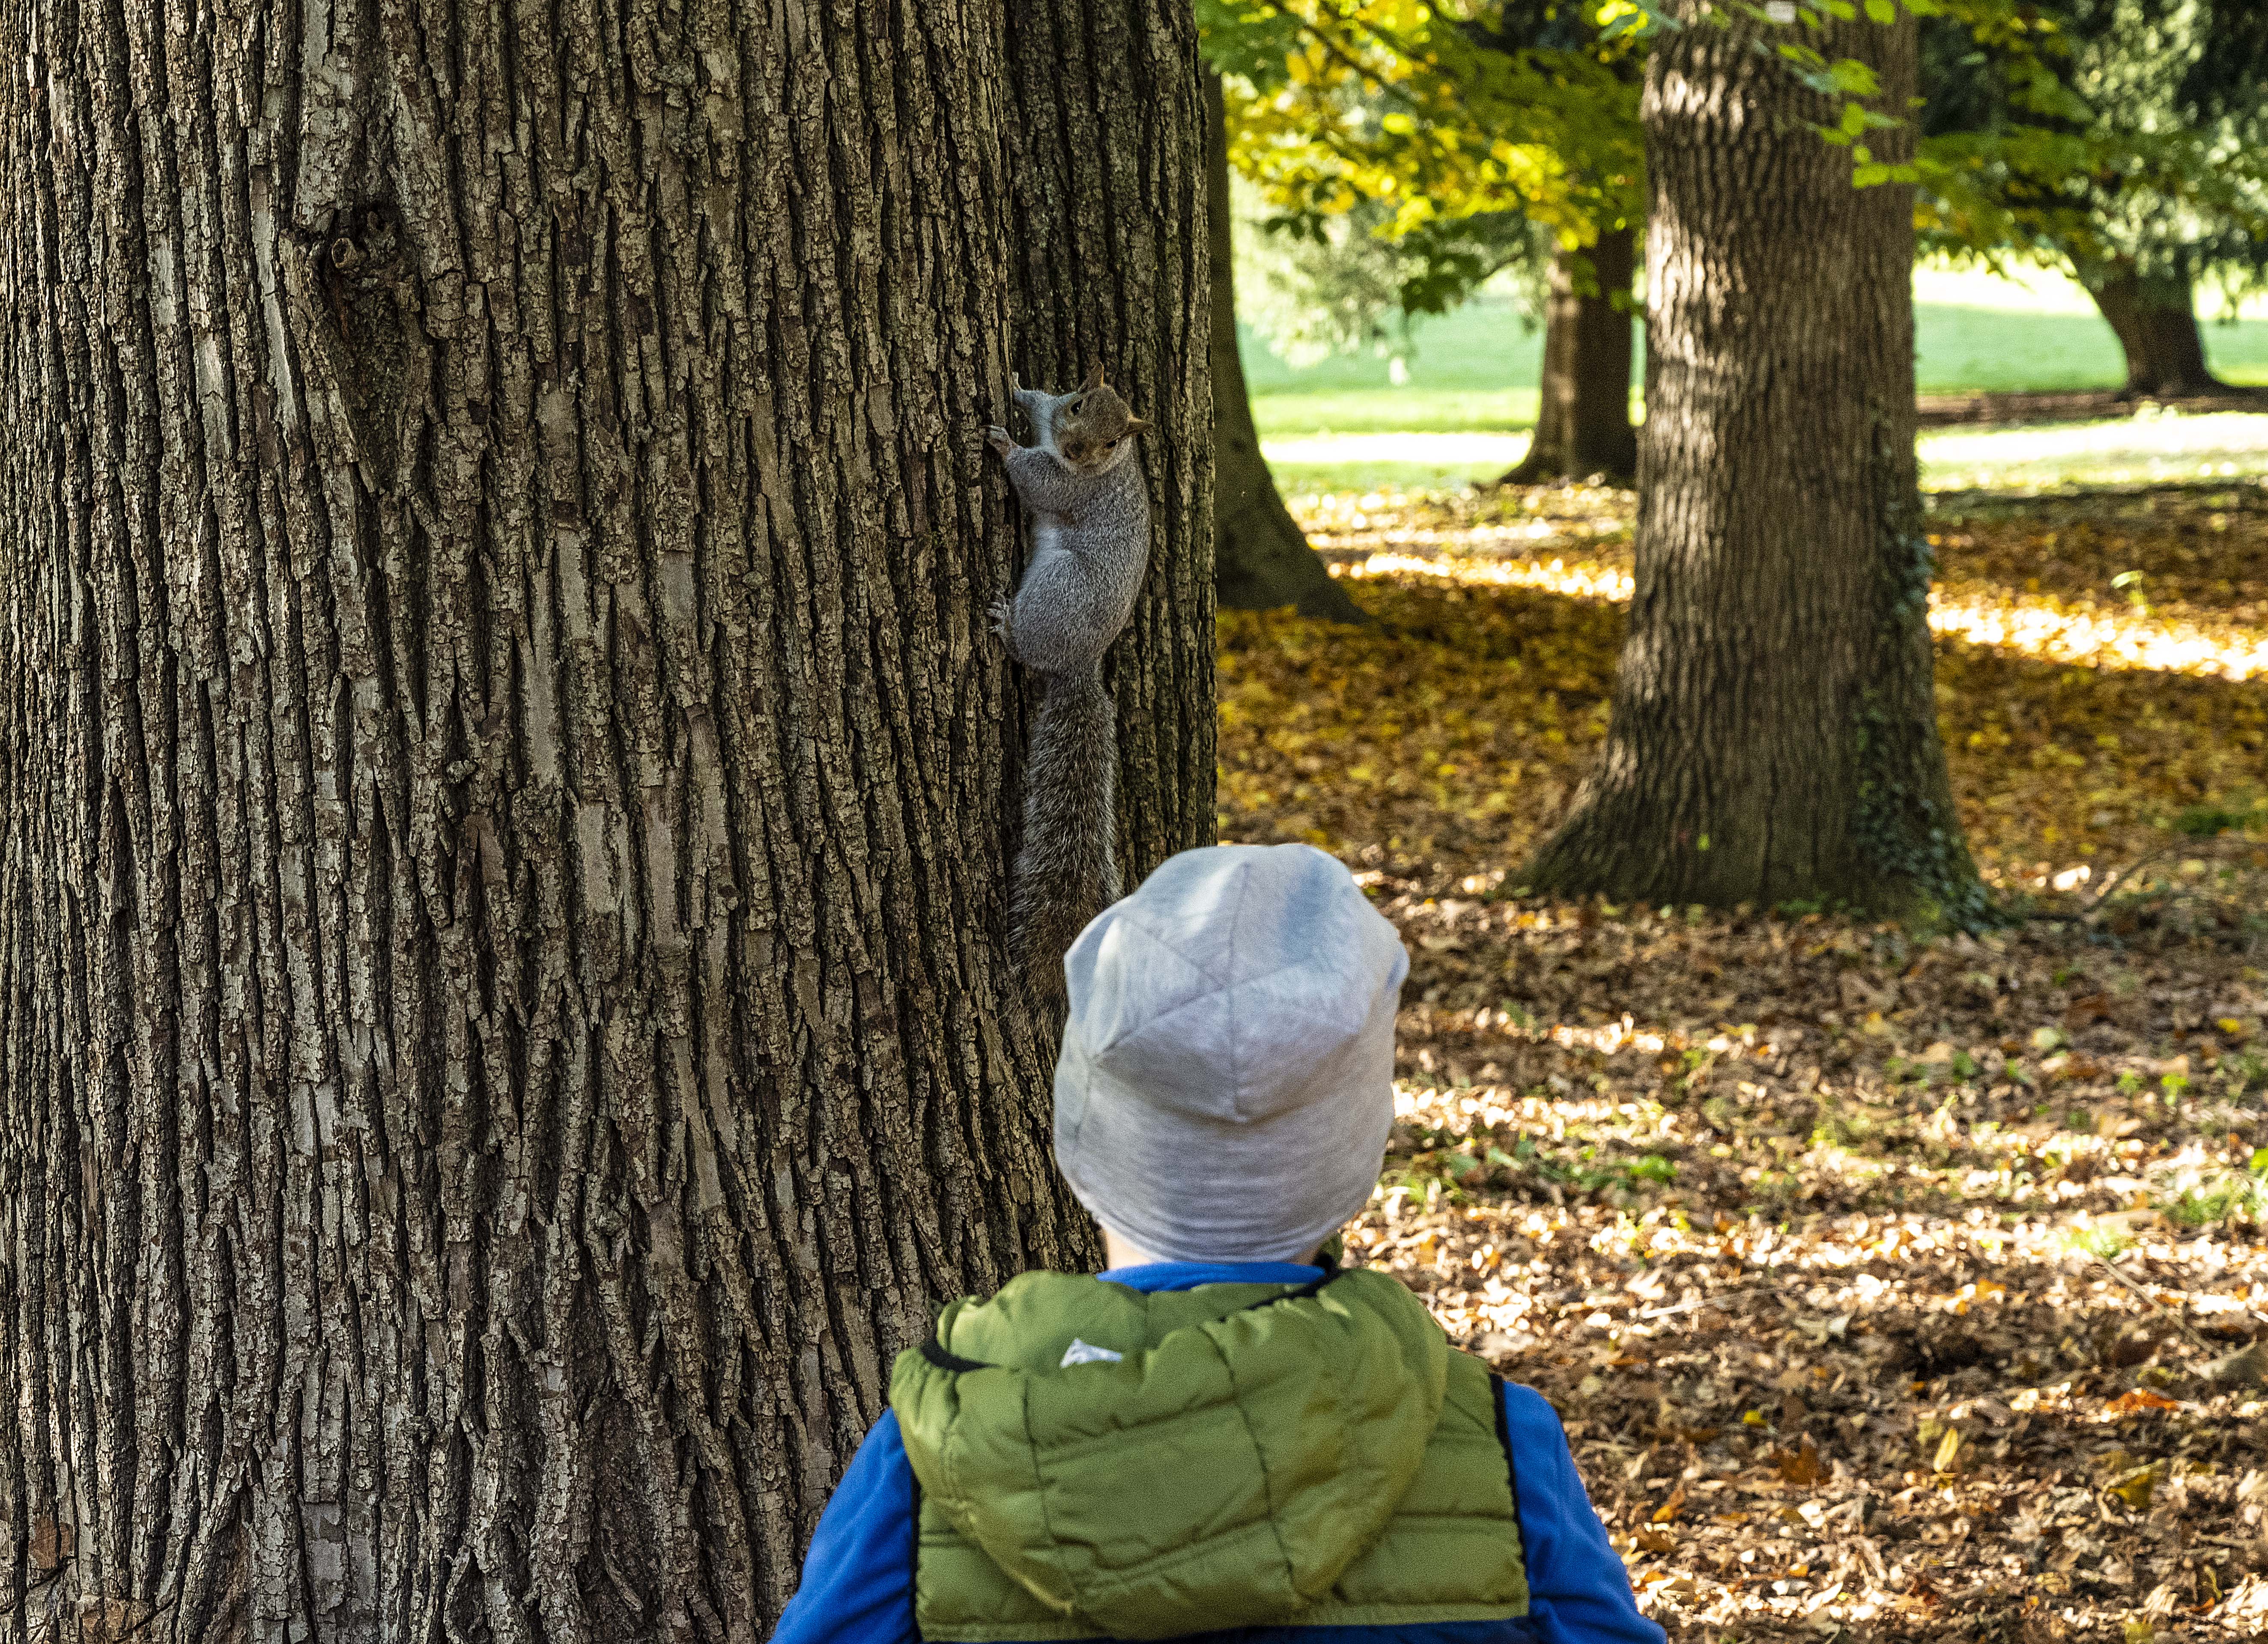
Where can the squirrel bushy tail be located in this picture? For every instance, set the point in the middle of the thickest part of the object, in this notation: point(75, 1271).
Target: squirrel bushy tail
point(1066, 871)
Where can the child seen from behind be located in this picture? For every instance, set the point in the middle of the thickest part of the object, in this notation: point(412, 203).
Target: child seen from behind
point(1226, 1432)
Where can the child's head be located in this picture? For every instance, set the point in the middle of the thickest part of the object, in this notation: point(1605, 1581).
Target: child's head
point(1226, 1081)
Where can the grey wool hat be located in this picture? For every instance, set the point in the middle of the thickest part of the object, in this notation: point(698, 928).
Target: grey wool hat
point(1226, 1079)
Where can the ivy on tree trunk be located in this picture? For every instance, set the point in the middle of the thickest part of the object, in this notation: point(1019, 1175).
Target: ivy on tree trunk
point(1773, 735)
point(503, 1027)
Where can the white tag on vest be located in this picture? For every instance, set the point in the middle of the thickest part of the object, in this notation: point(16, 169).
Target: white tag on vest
point(1087, 1352)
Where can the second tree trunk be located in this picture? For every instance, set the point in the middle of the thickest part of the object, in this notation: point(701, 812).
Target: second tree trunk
point(2155, 321)
point(1582, 420)
point(1774, 737)
point(1261, 557)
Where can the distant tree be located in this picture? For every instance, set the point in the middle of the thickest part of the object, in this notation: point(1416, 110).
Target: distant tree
point(1262, 559)
point(2143, 166)
point(1582, 422)
point(1444, 127)
point(1774, 736)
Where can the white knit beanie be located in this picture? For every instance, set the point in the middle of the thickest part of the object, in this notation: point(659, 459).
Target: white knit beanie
point(1226, 1081)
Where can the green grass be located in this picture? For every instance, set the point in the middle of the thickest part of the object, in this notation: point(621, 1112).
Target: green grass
point(2126, 450)
point(1470, 394)
point(1384, 410)
point(1474, 370)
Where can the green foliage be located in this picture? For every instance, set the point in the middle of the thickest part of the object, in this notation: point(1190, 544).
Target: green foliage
point(1318, 287)
point(1443, 125)
point(1442, 114)
point(2119, 133)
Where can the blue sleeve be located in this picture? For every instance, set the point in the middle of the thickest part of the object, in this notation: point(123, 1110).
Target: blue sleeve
point(858, 1577)
point(1578, 1590)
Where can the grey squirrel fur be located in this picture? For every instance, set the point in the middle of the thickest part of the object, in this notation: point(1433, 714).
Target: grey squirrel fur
point(1090, 514)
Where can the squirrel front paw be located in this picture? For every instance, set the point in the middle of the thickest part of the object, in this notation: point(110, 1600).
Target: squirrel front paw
point(997, 437)
point(995, 617)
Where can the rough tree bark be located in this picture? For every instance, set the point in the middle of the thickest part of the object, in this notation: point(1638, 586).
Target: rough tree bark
point(1261, 558)
point(504, 790)
point(2156, 322)
point(1583, 425)
point(1774, 737)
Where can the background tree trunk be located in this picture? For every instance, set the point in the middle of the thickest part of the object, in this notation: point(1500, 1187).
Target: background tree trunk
point(2156, 322)
point(503, 788)
point(1261, 557)
point(1582, 422)
point(1773, 735)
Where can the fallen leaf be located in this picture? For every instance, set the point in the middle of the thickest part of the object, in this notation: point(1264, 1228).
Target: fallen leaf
point(2247, 1366)
point(1800, 1466)
point(1948, 1451)
point(2136, 1488)
point(2141, 1399)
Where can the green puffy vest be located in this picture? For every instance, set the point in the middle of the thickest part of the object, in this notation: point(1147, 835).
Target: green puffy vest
point(1258, 1455)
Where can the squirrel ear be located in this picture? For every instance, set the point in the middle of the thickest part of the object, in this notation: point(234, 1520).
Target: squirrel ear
point(1093, 381)
point(1135, 424)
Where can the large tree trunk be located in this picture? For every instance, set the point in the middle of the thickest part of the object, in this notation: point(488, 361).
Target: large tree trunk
point(1582, 420)
point(503, 788)
point(2156, 322)
point(1261, 557)
point(1774, 737)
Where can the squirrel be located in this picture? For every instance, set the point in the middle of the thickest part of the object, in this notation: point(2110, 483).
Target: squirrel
point(1090, 547)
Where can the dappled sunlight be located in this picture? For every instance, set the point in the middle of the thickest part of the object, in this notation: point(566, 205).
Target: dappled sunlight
point(1866, 1414)
point(1878, 1276)
point(2147, 448)
point(2100, 639)
point(2032, 626)
point(1579, 581)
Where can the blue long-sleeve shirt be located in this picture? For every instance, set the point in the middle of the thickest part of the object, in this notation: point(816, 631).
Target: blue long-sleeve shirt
point(858, 1578)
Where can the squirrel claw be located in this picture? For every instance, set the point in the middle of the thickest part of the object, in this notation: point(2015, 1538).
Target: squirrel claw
point(995, 617)
point(997, 437)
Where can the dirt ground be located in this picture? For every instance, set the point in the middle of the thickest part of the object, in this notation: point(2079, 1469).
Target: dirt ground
point(1891, 1285)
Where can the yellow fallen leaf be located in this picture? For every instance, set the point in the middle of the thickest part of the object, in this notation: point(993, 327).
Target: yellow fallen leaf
point(1948, 1449)
point(2136, 1488)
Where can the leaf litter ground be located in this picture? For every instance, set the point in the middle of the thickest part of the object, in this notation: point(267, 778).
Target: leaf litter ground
point(1891, 1286)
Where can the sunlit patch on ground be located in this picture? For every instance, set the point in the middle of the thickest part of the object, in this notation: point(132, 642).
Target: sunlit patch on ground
point(1881, 1426)
point(2099, 663)
point(1892, 1286)
point(2144, 449)
point(2085, 632)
